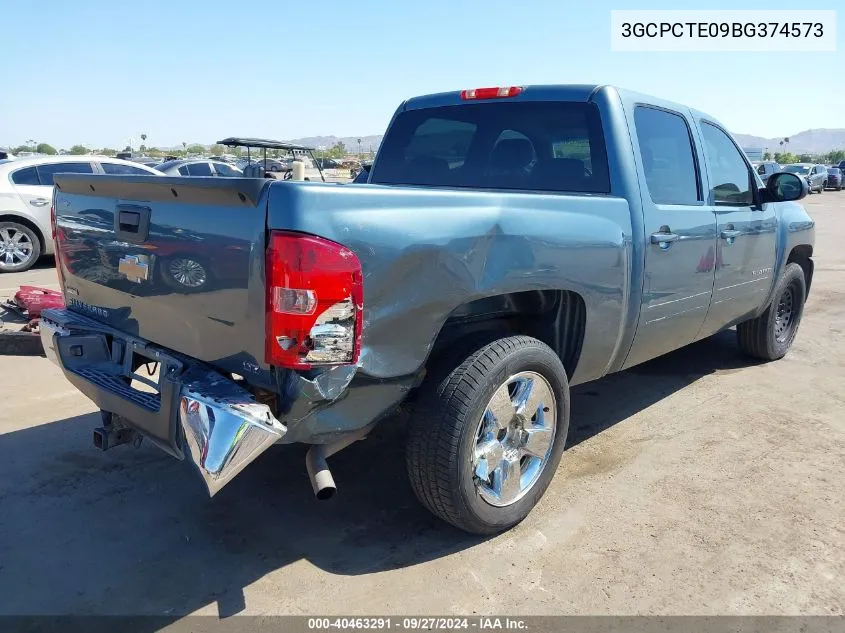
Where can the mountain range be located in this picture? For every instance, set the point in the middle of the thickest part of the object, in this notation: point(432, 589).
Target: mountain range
point(368, 143)
point(818, 141)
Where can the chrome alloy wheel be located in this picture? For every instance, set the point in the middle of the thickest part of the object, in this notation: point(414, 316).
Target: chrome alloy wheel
point(15, 247)
point(187, 272)
point(514, 438)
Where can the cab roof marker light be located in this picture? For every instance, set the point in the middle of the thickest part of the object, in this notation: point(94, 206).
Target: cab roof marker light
point(491, 93)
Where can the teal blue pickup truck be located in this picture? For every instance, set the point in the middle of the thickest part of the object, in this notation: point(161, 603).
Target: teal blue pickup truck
point(507, 244)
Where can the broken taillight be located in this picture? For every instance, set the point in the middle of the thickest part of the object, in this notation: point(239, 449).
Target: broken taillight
point(314, 302)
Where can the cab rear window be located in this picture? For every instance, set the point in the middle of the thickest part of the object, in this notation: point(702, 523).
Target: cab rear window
point(527, 146)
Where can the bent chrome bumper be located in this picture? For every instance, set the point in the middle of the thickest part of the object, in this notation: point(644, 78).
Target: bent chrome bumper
point(222, 438)
point(197, 413)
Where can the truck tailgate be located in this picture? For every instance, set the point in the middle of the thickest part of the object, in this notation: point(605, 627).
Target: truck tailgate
point(176, 261)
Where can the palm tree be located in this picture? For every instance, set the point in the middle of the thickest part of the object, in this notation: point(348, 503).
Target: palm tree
point(184, 148)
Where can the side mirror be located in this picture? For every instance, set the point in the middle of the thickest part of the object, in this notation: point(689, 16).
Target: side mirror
point(784, 187)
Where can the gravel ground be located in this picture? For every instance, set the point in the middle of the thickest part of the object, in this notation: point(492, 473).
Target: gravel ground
point(698, 483)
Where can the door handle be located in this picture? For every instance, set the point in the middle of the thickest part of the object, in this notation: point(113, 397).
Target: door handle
point(39, 202)
point(664, 238)
point(729, 234)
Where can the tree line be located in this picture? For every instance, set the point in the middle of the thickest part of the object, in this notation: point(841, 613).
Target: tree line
point(338, 150)
point(785, 158)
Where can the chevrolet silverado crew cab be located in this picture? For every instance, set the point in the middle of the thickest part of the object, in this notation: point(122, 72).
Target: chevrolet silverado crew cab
point(509, 243)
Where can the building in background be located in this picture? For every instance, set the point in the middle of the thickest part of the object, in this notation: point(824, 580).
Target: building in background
point(753, 153)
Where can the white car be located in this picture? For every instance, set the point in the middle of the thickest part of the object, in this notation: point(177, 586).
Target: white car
point(26, 191)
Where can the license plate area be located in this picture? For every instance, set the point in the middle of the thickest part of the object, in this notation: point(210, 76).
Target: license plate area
point(145, 375)
point(119, 373)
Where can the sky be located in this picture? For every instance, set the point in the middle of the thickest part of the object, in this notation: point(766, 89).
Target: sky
point(99, 72)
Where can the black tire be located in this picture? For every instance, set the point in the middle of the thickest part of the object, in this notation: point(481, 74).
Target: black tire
point(443, 429)
point(22, 233)
point(764, 337)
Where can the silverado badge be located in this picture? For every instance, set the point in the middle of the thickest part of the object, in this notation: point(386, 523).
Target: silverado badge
point(135, 267)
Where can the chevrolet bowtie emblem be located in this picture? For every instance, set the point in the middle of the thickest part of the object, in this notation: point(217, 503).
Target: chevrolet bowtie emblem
point(135, 267)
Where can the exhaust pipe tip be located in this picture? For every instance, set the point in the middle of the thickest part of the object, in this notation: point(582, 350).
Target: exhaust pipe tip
point(321, 477)
point(324, 494)
point(318, 470)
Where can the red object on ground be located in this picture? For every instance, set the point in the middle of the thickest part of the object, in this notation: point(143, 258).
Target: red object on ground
point(34, 299)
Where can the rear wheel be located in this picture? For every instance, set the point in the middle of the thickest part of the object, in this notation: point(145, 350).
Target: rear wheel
point(770, 335)
point(485, 441)
point(19, 247)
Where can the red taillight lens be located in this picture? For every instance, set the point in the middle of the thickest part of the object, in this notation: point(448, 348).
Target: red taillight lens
point(491, 93)
point(315, 300)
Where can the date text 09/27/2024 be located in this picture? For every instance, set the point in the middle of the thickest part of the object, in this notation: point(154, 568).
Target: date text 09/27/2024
point(419, 623)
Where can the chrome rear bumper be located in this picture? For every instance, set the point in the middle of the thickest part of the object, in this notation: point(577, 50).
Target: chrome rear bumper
point(222, 438)
point(198, 413)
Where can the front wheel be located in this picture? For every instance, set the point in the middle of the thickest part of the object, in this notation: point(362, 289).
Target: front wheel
point(484, 442)
point(770, 335)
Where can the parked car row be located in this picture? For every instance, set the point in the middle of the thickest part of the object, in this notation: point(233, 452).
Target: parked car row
point(199, 168)
point(285, 164)
point(26, 189)
point(818, 177)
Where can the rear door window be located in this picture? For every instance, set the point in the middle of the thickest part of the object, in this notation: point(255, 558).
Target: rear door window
point(521, 146)
point(199, 169)
point(123, 170)
point(26, 176)
point(47, 172)
point(668, 157)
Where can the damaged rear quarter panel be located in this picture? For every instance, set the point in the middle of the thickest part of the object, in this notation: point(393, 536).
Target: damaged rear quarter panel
point(425, 251)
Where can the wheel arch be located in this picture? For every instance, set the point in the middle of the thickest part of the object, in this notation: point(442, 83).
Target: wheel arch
point(555, 317)
point(802, 255)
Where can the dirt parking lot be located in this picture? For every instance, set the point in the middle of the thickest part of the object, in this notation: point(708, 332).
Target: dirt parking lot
point(698, 483)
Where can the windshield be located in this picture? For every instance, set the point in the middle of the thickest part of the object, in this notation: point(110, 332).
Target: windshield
point(797, 169)
point(532, 145)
